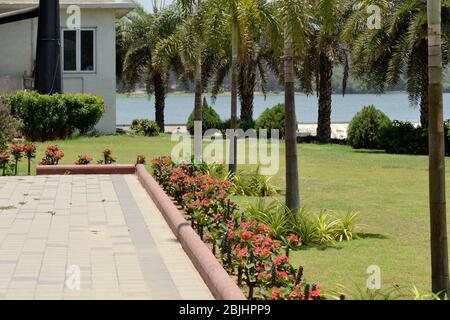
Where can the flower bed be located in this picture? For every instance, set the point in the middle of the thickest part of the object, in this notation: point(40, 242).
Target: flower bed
point(244, 247)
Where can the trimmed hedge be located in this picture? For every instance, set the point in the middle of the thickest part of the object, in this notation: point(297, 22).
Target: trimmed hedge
point(365, 128)
point(50, 117)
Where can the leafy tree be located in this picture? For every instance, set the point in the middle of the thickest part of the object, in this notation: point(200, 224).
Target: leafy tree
point(140, 33)
point(398, 48)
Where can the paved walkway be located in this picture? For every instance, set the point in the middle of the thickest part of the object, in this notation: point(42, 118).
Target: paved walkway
point(89, 237)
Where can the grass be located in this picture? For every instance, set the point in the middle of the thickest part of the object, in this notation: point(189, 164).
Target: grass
point(390, 192)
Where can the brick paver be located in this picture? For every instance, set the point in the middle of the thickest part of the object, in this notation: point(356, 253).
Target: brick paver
point(102, 230)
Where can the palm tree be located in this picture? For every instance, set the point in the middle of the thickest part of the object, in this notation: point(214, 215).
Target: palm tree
point(439, 245)
point(141, 32)
point(324, 51)
point(399, 48)
point(295, 20)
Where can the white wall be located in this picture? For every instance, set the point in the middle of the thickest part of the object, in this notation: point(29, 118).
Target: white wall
point(17, 55)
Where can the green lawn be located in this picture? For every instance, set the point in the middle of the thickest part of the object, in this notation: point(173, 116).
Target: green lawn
point(390, 192)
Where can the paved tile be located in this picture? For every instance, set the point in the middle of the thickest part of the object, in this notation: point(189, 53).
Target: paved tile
point(89, 237)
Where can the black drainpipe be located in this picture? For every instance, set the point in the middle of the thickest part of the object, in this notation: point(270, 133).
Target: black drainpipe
point(48, 49)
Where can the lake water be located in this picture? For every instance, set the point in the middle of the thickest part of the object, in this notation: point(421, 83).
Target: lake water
point(178, 108)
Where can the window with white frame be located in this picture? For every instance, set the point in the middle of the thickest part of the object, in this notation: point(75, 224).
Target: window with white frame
point(78, 50)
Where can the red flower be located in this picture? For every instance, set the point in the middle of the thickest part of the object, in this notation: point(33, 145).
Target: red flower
point(247, 235)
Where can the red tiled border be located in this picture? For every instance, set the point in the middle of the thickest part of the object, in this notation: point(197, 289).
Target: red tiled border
point(87, 169)
point(212, 272)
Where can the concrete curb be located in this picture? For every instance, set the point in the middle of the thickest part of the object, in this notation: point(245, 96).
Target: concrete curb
point(216, 278)
point(87, 169)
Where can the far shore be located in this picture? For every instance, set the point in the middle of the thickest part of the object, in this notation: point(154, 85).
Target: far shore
point(338, 130)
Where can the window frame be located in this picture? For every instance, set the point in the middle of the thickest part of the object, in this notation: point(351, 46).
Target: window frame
point(78, 50)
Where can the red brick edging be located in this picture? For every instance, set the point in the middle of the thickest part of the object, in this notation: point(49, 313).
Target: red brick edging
point(212, 272)
point(87, 169)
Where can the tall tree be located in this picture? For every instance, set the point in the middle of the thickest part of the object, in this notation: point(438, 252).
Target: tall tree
point(295, 19)
point(398, 48)
point(325, 50)
point(141, 31)
point(189, 42)
point(439, 243)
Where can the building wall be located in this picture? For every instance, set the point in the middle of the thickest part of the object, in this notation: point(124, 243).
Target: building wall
point(18, 51)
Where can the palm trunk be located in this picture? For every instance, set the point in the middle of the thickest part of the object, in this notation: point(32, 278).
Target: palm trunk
point(198, 127)
point(234, 96)
point(292, 181)
point(160, 97)
point(325, 92)
point(438, 218)
point(247, 82)
point(424, 109)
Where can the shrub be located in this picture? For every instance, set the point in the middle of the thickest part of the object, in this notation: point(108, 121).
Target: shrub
point(48, 117)
point(404, 138)
point(252, 184)
point(30, 153)
point(145, 127)
point(210, 119)
point(9, 126)
point(241, 124)
point(365, 128)
point(272, 119)
point(245, 244)
point(83, 160)
point(107, 157)
point(52, 156)
point(84, 110)
point(4, 161)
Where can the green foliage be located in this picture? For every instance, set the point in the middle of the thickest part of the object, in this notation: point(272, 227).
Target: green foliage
point(404, 138)
point(273, 214)
point(252, 184)
point(365, 128)
point(84, 110)
point(324, 228)
point(9, 125)
point(48, 117)
point(272, 119)
point(210, 119)
point(145, 127)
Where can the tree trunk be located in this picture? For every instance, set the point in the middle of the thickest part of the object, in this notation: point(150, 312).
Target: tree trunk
point(198, 127)
point(292, 181)
point(438, 218)
point(160, 97)
point(247, 83)
point(234, 94)
point(325, 92)
point(424, 109)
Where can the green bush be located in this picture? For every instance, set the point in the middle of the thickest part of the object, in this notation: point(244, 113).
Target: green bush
point(210, 119)
point(404, 138)
point(85, 110)
point(9, 126)
point(241, 124)
point(49, 117)
point(365, 128)
point(145, 127)
point(272, 119)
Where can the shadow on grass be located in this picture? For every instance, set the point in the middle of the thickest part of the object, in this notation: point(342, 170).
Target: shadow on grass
point(340, 245)
point(372, 236)
point(369, 151)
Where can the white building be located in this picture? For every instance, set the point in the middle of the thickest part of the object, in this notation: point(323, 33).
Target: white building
point(88, 56)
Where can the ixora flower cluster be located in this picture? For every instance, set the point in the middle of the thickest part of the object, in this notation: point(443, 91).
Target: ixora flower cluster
point(245, 248)
point(9, 158)
point(53, 155)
